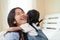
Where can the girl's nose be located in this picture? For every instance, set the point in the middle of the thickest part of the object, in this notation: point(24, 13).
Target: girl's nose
point(22, 14)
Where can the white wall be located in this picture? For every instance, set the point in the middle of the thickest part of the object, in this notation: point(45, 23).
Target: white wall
point(0, 17)
point(4, 13)
point(24, 4)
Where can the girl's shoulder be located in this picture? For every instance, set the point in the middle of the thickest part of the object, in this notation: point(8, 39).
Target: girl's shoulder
point(11, 36)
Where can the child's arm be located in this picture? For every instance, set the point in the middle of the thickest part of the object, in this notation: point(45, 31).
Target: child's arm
point(24, 27)
point(14, 28)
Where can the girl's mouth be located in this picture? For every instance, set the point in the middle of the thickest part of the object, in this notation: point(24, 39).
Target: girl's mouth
point(23, 18)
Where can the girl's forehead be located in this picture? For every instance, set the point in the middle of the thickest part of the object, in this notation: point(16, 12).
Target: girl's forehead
point(18, 10)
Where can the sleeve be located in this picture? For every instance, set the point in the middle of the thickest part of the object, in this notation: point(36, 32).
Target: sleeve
point(2, 33)
point(11, 36)
point(26, 27)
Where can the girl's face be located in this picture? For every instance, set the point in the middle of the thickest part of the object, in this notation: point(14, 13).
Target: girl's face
point(20, 17)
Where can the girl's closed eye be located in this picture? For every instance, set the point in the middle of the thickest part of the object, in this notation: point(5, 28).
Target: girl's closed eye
point(17, 13)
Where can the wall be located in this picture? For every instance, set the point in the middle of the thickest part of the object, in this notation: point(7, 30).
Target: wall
point(48, 7)
point(52, 6)
point(4, 12)
point(0, 17)
point(40, 7)
point(24, 4)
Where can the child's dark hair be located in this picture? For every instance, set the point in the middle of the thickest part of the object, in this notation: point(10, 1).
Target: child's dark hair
point(33, 16)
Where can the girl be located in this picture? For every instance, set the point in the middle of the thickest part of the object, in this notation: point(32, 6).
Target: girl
point(16, 17)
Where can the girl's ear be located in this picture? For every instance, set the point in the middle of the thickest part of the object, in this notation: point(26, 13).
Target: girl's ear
point(14, 22)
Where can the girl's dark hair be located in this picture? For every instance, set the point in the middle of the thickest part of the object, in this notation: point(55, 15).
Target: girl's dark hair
point(33, 16)
point(11, 17)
